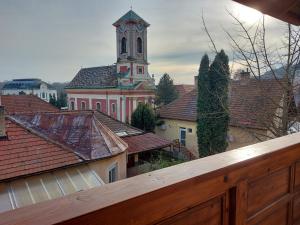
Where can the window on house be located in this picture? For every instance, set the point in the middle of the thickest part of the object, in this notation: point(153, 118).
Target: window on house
point(43, 95)
point(98, 106)
point(113, 108)
point(140, 70)
point(72, 105)
point(190, 130)
point(123, 45)
point(182, 136)
point(82, 105)
point(113, 173)
point(139, 45)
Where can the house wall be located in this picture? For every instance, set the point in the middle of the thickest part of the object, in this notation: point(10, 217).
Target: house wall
point(172, 133)
point(238, 137)
point(241, 137)
point(101, 167)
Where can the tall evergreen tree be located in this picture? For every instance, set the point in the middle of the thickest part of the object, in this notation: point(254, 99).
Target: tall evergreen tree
point(143, 118)
point(212, 105)
point(203, 108)
point(219, 79)
point(166, 91)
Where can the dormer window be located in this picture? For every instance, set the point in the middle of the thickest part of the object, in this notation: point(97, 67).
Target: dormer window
point(123, 45)
point(139, 45)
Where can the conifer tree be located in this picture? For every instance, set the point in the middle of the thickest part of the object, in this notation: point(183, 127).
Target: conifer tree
point(219, 79)
point(143, 118)
point(212, 105)
point(166, 91)
point(203, 108)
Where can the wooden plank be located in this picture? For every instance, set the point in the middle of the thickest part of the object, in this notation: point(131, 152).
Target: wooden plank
point(241, 203)
point(297, 176)
point(208, 213)
point(154, 197)
point(296, 209)
point(267, 189)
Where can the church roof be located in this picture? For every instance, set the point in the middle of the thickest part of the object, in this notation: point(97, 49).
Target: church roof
point(131, 16)
point(95, 77)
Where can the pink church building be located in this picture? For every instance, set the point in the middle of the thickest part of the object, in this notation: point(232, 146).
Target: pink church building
point(117, 89)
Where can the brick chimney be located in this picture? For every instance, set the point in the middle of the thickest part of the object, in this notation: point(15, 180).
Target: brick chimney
point(2, 123)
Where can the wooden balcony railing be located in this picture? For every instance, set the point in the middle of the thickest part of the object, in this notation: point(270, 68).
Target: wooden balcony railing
point(258, 184)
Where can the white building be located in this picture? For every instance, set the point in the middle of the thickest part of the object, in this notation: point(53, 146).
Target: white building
point(29, 87)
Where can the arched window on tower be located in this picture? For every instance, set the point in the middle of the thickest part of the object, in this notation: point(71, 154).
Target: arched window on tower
point(139, 45)
point(123, 45)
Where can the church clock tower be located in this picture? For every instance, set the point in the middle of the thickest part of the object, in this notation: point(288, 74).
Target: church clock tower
point(131, 37)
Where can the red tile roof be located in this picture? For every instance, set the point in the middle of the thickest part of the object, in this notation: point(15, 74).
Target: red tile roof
point(182, 89)
point(25, 103)
point(250, 104)
point(25, 153)
point(145, 142)
point(183, 108)
point(254, 104)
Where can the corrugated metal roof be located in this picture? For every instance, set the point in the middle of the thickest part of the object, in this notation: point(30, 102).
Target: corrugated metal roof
point(47, 186)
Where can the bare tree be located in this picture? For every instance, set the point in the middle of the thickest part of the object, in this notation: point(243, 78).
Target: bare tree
point(277, 113)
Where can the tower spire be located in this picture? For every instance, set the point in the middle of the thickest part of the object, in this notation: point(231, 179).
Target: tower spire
point(130, 4)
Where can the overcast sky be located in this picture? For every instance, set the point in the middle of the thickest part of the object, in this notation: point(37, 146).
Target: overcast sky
point(53, 39)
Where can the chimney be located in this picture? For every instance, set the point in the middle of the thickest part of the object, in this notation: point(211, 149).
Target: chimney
point(244, 77)
point(196, 81)
point(2, 123)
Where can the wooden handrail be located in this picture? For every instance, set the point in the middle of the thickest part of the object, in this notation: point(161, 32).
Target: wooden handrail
point(257, 184)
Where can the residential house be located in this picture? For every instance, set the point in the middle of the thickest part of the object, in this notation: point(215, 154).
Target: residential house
point(46, 155)
point(117, 89)
point(29, 87)
point(251, 108)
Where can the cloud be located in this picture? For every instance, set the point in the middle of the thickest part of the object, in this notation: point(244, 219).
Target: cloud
point(51, 40)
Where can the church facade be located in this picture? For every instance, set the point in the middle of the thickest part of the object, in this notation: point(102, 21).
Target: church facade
point(117, 89)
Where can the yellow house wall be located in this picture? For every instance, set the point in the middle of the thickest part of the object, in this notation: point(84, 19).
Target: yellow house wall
point(172, 133)
point(239, 137)
point(101, 167)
